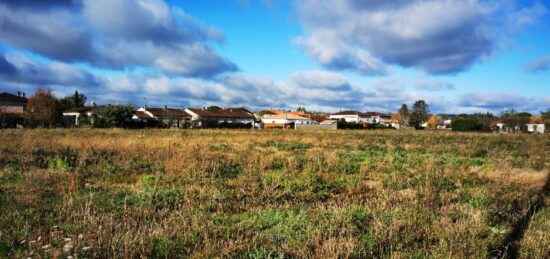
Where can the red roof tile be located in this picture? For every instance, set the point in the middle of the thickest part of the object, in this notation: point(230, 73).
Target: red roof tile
point(240, 113)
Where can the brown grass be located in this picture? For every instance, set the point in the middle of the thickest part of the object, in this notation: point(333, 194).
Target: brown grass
point(271, 193)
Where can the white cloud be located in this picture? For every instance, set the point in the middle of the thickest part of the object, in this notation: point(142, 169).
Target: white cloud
point(364, 36)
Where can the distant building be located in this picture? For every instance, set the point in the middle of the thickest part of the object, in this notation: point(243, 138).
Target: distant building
point(80, 116)
point(358, 117)
point(13, 104)
point(221, 118)
point(167, 117)
point(285, 120)
point(386, 119)
point(12, 109)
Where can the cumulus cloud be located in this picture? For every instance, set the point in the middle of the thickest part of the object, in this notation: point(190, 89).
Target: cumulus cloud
point(37, 4)
point(496, 102)
point(320, 80)
point(52, 33)
point(22, 69)
point(538, 65)
point(116, 34)
point(434, 85)
point(365, 35)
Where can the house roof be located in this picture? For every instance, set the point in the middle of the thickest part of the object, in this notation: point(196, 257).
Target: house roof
point(536, 120)
point(370, 114)
point(288, 115)
point(13, 114)
point(329, 121)
point(168, 112)
point(142, 115)
point(7, 97)
point(224, 113)
point(347, 113)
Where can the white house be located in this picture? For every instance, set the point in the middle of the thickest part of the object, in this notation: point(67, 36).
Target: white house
point(357, 117)
point(226, 117)
point(77, 116)
point(285, 118)
point(348, 116)
point(536, 128)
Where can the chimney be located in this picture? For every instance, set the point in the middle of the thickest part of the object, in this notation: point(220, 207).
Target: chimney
point(145, 107)
point(19, 93)
point(23, 94)
point(166, 107)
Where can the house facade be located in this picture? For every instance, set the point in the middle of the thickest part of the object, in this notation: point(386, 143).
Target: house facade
point(358, 117)
point(224, 117)
point(348, 116)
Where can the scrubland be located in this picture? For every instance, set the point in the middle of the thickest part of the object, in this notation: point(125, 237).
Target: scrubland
point(273, 194)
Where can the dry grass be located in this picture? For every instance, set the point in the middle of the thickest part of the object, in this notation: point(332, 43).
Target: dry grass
point(264, 194)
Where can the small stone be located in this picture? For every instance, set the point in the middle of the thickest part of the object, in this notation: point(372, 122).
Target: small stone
point(80, 236)
point(86, 248)
point(46, 246)
point(67, 239)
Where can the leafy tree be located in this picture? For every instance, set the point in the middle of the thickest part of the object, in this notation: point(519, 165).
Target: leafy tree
point(114, 116)
point(473, 122)
point(420, 113)
point(404, 115)
point(72, 101)
point(433, 121)
point(43, 109)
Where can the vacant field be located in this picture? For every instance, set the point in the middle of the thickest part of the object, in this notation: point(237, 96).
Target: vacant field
point(261, 194)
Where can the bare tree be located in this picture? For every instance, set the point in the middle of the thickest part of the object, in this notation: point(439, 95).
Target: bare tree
point(404, 115)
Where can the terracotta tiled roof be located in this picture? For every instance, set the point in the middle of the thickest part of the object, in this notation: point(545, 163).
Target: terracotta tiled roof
point(329, 121)
point(289, 115)
point(168, 112)
point(240, 113)
point(7, 97)
point(536, 120)
point(142, 115)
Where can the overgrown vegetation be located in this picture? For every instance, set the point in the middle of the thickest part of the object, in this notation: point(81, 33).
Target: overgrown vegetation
point(265, 194)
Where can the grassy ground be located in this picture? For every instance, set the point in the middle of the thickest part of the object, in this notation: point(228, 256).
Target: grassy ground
point(265, 194)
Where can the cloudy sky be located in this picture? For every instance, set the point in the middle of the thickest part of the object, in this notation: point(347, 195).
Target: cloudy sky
point(458, 55)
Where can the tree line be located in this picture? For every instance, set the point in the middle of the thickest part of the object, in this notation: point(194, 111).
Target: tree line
point(45, 110)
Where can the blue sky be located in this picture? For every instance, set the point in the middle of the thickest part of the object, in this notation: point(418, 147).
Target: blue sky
point(458, 55)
